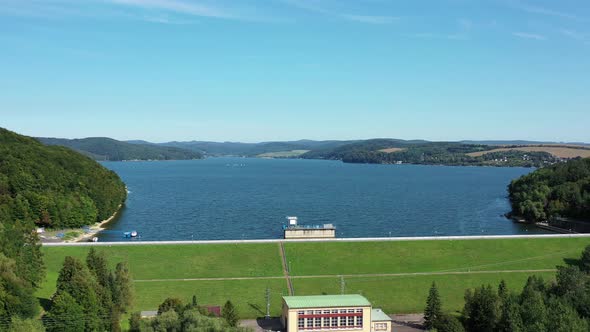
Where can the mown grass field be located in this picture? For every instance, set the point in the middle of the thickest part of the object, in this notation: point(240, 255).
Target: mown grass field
point(261, 265)
point(321, 258)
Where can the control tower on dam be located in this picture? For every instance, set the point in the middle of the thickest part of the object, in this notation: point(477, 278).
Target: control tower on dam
point(295, 231)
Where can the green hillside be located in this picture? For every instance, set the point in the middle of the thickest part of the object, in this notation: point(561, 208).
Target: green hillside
point(53, 186)
point(559, 190)
point(390, 151)
point(102, 148)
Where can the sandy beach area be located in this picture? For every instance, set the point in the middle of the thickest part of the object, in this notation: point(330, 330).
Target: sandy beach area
point(86, 233)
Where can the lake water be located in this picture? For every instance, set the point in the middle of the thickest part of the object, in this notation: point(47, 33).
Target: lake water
point(248, 198)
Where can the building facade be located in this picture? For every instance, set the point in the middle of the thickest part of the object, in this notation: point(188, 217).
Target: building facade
point(331, 313)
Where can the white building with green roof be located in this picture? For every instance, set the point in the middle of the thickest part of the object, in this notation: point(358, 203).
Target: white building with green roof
point(350, 312)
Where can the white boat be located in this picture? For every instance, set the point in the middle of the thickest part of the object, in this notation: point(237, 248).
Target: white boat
point(133, 233)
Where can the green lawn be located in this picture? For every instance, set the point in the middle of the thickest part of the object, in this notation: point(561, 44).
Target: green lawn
point(394, 294)
point(408, 294)
point(325, 258)
point(176, 261)
point(247, 295)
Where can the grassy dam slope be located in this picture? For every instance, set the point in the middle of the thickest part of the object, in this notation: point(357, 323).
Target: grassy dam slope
point(394, 275)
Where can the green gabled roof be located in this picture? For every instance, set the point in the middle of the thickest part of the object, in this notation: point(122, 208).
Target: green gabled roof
point(321, 301)
point(377, 315)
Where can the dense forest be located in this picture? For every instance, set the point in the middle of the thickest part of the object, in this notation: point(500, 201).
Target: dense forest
point(53, 186)
point(101, 148)
point(48, 186)
point(428, 153)
point(559, 190)
point(562, 305)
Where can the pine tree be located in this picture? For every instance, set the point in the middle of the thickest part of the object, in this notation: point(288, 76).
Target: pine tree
point(124, 293)
point(66, 315)
point(585, 260)
point(230, 314)
point(510, 319)
point(75, 279)
point(481, 309)
point(433, 310)
point(98, 265)
point(503, 290)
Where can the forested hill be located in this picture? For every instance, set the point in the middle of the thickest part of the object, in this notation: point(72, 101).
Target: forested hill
point(390, 151)
point(52, 185)
point(559, 190)
point(102, 148)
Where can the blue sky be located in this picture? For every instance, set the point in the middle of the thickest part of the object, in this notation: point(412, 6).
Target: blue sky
point(257, 70)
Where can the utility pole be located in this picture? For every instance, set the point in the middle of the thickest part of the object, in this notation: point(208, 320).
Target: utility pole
point(267, 303)
point(342, 285)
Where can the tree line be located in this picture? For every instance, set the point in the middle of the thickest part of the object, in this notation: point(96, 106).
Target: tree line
point(430, 153)
point(562, 305)
point(561, 190)
point(175, 316)
point(102, 148)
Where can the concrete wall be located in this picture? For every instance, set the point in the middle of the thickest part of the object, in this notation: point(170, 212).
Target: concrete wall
point(309, 233)
point(360, 239)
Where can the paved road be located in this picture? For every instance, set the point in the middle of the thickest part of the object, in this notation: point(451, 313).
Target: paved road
point(360, 239)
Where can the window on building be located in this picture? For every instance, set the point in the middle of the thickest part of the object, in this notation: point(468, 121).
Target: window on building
point(318, 322)
point(301, 323)
point(359, 310)
point(359, 321)
point(380, 326)
point(309, 322)
point(334, 321)
point(300, 312)
point(350, 321)
point(342, 321)
point(335, 311)
point(350, 311)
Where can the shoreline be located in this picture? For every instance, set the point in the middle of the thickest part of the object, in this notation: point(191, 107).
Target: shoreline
point(96, 228)
point(86, 233)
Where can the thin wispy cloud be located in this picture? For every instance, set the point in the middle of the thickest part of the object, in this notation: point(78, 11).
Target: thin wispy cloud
point(429, 35)
point(572, 34)
point(370, 19)
point(154, 11)
point(548, 12)
point(312, 6)
point(526, 35)
point(181, 7)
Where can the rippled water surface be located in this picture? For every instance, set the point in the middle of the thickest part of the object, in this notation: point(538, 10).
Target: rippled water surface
point(242, 198)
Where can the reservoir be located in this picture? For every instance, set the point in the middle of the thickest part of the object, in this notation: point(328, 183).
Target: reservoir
point(249, 198)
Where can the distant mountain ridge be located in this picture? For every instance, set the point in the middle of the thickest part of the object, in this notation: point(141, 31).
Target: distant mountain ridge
point(378, 150)
point(103, 148)
point(247, 149)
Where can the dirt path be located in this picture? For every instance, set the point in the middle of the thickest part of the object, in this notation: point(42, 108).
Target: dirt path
point(289, 277)
point(286, 268)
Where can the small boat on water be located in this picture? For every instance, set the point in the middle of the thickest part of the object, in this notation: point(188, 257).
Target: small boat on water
point(130, 234)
